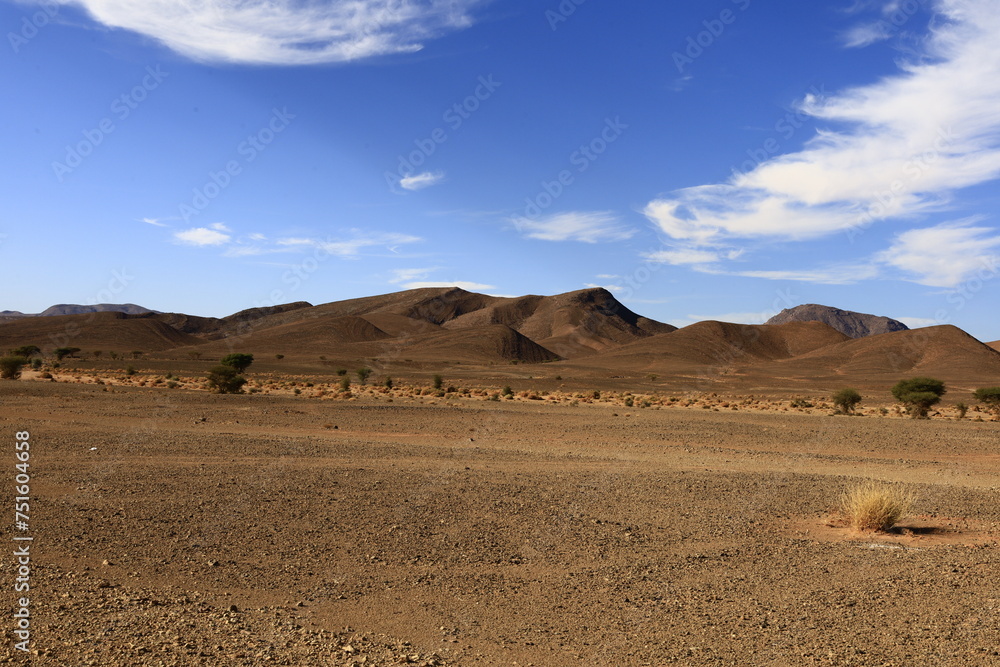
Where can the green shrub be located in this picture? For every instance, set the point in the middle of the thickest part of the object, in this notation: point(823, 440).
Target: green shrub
point(63, 352)
point(437, 381)
point(10, 366)
point(388, 383)
point(26, 351)
point(962, 409)
point(363, 373)
point(238, 361)
point(345, 383)
point(991, 397)
point(919, 394)
point(225, 380)
point(507, 391)
point(130, 370)
point(846, 400)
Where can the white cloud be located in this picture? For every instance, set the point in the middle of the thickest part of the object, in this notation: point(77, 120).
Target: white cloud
point(906, 143)
point(843, 275)
point(153, 221)
point(866, 34)
point(461, 284)
point(610, 288)
point(681, 255)
point(283, 32)
point(350, 247)
point(917, 322)
point(257, 237)
point(409, 275)
point(421, 181)
point(203, 236)
point(585, 226)
point(945, 255)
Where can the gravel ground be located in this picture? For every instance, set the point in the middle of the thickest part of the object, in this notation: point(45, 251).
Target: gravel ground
point(176, 528)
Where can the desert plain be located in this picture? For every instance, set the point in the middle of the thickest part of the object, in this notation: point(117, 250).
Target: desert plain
point(603, 512)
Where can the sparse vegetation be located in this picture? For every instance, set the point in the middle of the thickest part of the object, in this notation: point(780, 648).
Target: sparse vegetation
point(130, 370)
point(846, 400)
point(26, 351)
point(919, 394)
point(363, 374)
point(10, 366)
point(137, 354)
point(801, 403)
point(341, 372)
point(97, 353)
point(279, 357)
point(437, 381)
point(193, 355)
point(875, 506)
point(345, 383)
point(388, 383)
point(225, 379)
point(238, 361)
point(507, 391)
point(991, 397)
point(962, 409)
point(63, 352)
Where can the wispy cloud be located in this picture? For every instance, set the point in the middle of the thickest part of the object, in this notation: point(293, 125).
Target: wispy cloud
point(421, 181)
point(944, 255)
point(688, 255)
point(283, 32)
point(906, 143)
point(585, 226)
point(351, 246)
point(216, 234)
point(461, 284)
point(153, 221)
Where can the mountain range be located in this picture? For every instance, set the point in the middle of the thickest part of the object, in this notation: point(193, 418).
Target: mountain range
point(586, 333)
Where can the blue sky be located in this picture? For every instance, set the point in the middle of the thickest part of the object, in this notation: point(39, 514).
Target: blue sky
point(702, 160)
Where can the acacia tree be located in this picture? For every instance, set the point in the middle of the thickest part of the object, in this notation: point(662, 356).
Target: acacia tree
point(991, 397)
point(238, 361)
point(62, 352)
point(26, 351)
point(225, 380)
point(846, 400)
point(919, 394)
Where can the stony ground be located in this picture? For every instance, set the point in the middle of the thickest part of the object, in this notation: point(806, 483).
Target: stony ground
point(176, 527)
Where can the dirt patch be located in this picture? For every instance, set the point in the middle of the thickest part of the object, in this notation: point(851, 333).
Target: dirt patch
point(922, 531)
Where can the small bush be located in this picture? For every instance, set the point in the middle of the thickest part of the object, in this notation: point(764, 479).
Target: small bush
point(846, 400)
point(801, 403)
point(345, 383)
point(26, 351)
point(875, 506)
point(962, 409)
point(507, 391)
point(341, 372)
point(238, 361)
point(10, 367)
point(363, 373)
point(36, 364)
point(279, 357)
point(63, 352)
point(437, 381)
point(991, 397)
point(130, 370)
point(225, 380)
point(918, 395)
point(388, 383)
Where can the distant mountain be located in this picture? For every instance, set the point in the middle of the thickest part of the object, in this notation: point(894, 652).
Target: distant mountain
point(77, 309)
point(995, 345)
point(850, 323)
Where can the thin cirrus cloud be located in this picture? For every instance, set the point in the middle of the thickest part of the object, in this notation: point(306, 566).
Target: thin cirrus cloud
point(907, 143)
point(421, 181)
point(283, 32)
point(213, 235)
point(584, 226)
point(945, 255)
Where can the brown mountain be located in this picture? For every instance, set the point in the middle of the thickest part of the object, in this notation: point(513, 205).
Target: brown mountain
point(77, 309)
point(995, 345)
point(855, 325)
point(714, 347)
point(108, 331)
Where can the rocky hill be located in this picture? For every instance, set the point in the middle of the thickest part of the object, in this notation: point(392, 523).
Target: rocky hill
point(850, 323)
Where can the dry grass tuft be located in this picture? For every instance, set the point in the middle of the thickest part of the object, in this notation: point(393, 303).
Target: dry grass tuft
point(875, 506)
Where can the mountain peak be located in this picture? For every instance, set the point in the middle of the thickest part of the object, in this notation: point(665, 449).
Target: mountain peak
point(848, 322)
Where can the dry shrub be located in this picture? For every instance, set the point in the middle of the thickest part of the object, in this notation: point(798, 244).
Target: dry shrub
point(875, 506)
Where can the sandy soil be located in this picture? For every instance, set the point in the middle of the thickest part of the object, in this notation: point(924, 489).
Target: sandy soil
point(177, 527)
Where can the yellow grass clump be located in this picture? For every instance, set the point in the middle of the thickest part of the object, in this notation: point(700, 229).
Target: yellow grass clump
point(875, 506)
